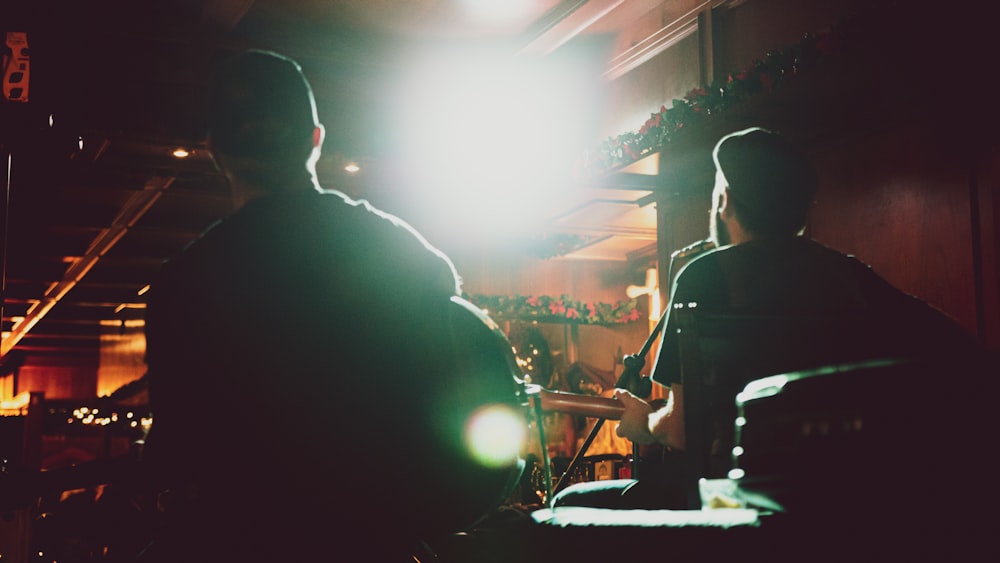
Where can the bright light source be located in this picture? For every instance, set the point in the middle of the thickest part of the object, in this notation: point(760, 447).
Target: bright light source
point(493, 136)
point(181, 152)
point(495, 435)
point(352, 168)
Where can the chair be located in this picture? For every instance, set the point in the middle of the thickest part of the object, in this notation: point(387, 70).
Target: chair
point(721, 352)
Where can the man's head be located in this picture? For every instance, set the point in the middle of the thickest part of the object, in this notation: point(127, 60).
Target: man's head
point(766, 182)
point(262, 118)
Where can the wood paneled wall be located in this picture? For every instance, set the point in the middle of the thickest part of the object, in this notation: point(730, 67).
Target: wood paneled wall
point(906, 185)
point(986, 217)
point(750, 29)
point(59, 381)
point(637, 94)
point(902, 205)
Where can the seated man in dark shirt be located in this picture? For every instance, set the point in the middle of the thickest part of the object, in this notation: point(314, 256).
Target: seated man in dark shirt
point(304, 358)
point(761, 265)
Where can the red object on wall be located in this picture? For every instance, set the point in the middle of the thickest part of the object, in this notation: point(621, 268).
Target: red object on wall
point(16, 67)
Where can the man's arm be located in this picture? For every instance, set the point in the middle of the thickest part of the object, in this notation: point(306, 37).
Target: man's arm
point(643, 425)
point(667, 423)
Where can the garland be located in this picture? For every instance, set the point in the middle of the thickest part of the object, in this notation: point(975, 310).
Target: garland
point(700, 104)
point(560, 309)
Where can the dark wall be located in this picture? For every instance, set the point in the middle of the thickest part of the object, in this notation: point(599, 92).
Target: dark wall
point(899, 122)
point(899, 202)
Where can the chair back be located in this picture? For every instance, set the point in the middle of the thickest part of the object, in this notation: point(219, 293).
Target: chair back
point(721, 352)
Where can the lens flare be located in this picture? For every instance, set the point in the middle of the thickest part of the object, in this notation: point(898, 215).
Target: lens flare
point(495, 435)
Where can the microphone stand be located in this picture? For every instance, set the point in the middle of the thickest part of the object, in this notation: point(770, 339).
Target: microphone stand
point(631, 380)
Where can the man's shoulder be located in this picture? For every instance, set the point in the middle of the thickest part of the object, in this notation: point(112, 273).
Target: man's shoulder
point(760, 253)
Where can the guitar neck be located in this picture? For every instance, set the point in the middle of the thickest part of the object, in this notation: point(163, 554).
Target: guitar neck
point(572, 403)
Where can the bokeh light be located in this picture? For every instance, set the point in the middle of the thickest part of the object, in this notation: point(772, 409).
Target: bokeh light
point(496, 435)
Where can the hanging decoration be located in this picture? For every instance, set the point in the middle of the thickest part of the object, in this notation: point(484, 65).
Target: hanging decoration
point(534, 357)
point(700, 104)
point(560, 309)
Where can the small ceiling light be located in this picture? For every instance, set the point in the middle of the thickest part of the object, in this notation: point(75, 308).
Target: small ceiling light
point(352, 168)
point(79, 142)
point(143, 290)
point(181, 152)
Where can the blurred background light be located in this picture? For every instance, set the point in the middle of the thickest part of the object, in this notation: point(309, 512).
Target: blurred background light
point(496, 435)
point(489, 138)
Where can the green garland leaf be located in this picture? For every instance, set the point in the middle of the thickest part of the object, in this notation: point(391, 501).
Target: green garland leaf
point(702, 103)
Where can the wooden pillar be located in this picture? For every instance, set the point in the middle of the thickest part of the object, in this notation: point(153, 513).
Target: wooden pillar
point(33, 428)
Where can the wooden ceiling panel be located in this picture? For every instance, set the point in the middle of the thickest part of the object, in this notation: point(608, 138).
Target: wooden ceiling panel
point(126, 78)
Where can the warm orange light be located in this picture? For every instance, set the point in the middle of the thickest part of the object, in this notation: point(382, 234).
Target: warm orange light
point(651, 289)
point(352, 168)
point(181, 152)
point(20, 401)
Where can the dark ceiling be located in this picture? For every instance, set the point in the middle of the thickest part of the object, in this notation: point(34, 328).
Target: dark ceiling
point(94, 201)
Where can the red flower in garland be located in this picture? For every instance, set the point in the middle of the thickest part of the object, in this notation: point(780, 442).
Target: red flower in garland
point(557, 308)
point(532, 301)
point(699, 103)
point(572, 313)
point(696, 93)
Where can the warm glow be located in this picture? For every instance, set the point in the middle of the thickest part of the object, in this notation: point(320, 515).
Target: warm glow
point(493, 145)
point(181, 152)
point(129, 323)
point(18, 402)
point(352, 168)
point(652, 289)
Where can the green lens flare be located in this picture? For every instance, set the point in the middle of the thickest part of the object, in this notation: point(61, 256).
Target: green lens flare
point(495, 435)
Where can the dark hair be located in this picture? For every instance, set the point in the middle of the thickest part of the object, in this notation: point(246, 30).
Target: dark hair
point(771, 182)
point(261, 105)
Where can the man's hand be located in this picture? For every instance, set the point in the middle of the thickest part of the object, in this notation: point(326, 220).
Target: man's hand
point(634, 423)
